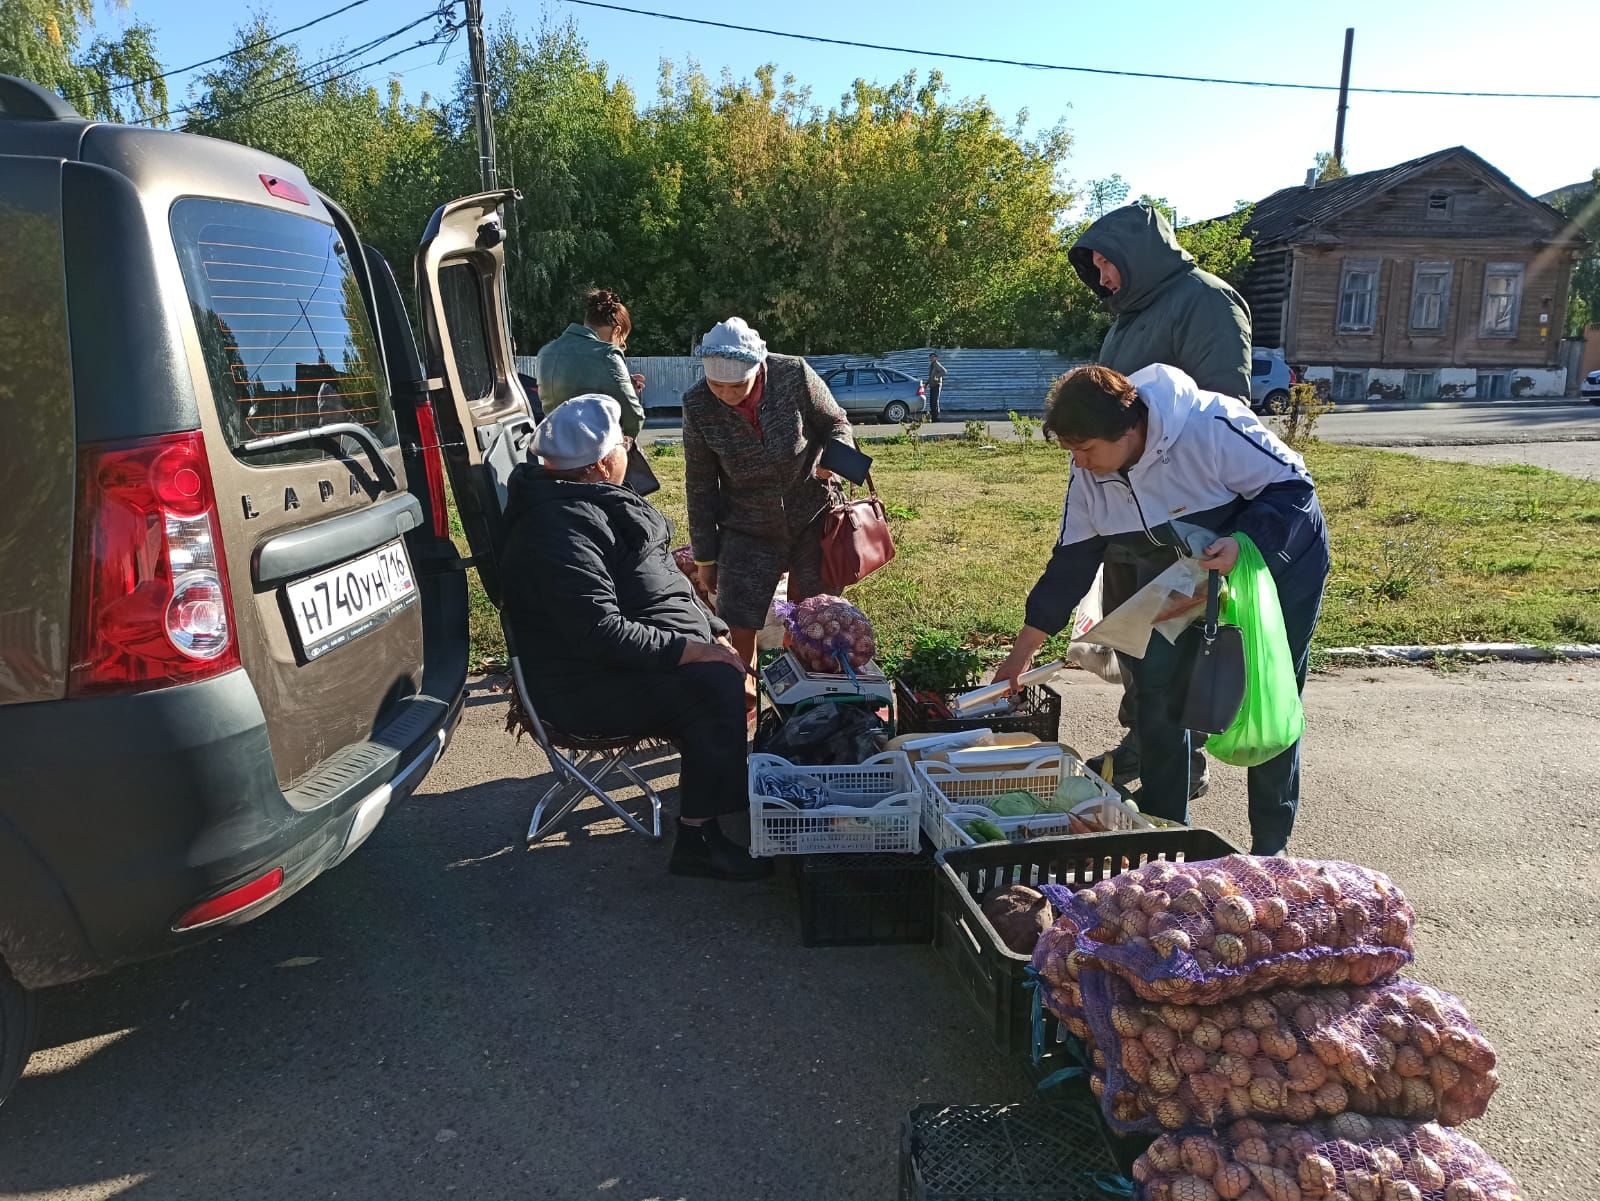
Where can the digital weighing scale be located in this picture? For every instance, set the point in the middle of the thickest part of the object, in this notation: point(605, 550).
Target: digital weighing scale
point(788, 684)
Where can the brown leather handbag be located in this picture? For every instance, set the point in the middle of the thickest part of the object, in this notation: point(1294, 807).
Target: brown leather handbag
point(855, 539)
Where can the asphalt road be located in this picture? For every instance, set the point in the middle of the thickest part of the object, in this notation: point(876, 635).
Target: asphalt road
point(1435, 425)
point(1581, 459)
point(449, 1016)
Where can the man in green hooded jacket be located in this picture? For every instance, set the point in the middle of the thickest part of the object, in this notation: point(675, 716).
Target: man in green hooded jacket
point(1168, 311)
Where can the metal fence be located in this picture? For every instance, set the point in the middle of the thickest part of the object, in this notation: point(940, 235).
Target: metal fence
point(976, 381)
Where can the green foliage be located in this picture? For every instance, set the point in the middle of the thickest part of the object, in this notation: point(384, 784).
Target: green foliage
point(1026, 428)
point(1306, 408)
point(1582, 208)
point(975, 431)
point(110, 78)
point(935, 661)
point(1330, 168)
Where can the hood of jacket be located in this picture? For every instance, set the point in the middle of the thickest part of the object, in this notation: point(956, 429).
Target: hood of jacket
point(1170, 398)
point(1139, 241)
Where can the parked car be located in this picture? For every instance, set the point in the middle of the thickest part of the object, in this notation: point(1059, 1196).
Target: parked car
point(1591, 387)
point(1270, 380)
point(874, 391)
point(233, 626)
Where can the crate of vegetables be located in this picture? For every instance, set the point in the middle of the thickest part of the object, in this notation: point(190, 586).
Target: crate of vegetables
point(862, 808)
point(936, 667)
point(1015, 782)
point(990, 913)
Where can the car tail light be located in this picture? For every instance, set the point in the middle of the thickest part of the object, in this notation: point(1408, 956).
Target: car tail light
point(151, 605)
point(922, 393)
point(433, 467)
point(231, 902)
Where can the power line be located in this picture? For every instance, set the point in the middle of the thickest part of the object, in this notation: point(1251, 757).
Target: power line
point(206, 62)
point(342, 56)
point(1012, 62)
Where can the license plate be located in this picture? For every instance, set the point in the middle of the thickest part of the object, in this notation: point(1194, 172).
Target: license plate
point(333, 607)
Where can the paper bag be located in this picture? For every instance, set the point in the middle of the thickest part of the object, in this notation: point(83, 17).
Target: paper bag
point(1168, 604)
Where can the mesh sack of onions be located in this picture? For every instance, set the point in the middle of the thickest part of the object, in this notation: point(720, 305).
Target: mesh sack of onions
point(822, 628)
point(1203, 932)
point(1398, 1050)
point(1350, 1156)
point(1058, 961)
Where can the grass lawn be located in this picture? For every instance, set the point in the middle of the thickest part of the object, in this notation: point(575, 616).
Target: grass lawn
point(1423, 551)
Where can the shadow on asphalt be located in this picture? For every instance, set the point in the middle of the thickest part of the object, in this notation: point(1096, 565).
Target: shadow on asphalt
point(484, 1021)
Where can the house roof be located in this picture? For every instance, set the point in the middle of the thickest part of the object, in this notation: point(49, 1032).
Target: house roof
point(1290, 212)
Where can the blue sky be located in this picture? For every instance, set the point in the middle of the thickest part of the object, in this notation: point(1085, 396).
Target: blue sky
point(1201, 146)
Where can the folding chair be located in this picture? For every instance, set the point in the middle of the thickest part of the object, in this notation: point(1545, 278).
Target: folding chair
point(574, 758)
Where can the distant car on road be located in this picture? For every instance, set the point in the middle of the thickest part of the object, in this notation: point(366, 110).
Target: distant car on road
point(872, 390)
point(1270, 379)
point(1591, 387)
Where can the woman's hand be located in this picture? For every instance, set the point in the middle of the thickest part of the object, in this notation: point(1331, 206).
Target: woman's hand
point(638, 382)
point(1221, 555)
point(707, 573)
point(712, 652)
point(822, 473)
point(1027, 645)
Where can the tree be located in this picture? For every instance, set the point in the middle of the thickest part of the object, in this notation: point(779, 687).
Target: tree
point(1582, 208)
point(114, 79)
point(1103, 195)
point(1330, 168)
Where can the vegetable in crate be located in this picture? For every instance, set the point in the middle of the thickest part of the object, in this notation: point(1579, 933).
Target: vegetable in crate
point(1348, 1158)
point(1203, 932)
point(936, 662)
point(822, 628)
point(1401, 1049)
point(982, 830)
point(1019, 914)
point(1018, 803)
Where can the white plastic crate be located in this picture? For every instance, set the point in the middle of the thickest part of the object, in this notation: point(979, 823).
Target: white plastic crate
point(947, 787)
point(877, 808)
point(1114, 815)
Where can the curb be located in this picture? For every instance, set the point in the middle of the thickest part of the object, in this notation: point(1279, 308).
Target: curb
point(1511, 652)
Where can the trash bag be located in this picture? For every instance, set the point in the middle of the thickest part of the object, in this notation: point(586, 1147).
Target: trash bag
point(1271, 719)
point(826, 735)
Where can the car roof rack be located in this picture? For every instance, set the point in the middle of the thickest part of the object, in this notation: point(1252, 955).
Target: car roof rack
point(23, 100)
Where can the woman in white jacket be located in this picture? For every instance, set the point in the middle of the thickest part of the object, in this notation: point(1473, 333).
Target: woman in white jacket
point(1148, 452)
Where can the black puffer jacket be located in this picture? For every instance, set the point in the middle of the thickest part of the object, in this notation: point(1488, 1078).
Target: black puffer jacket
point(590, 582)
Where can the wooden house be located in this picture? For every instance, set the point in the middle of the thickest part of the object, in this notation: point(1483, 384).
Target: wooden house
point(1435, 278)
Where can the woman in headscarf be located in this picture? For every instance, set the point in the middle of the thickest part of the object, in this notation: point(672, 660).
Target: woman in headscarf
point(753, 430)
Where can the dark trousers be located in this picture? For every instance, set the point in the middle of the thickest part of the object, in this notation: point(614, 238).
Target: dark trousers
point(699, 707)
point(934, 387)
point(1274, 786)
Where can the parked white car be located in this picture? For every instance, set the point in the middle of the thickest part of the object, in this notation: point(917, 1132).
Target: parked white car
point(1270, 378)
point(1591, 387)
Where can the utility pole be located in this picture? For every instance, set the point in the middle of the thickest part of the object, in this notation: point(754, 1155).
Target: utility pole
point(487, 165)
point(1344, 96)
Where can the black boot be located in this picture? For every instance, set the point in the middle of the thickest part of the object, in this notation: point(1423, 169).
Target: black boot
point(706, 851)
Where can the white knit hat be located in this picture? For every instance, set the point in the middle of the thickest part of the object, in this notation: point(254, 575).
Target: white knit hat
point(732, 351)
point(582, 431)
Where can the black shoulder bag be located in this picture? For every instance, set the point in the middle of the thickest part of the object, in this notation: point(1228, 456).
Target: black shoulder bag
point(1216, 683)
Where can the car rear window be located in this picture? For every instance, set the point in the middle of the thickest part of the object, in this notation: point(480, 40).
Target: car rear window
point(283, 324)
point(462, 297)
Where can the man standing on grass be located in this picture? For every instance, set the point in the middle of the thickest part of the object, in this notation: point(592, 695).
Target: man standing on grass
point(1169, 311)
point(936, 375)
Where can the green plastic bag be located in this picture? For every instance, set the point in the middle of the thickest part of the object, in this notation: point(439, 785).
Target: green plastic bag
point(1271, 719)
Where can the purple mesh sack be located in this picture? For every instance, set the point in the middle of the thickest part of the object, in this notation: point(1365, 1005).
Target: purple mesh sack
point(1203, 932)
point(1399, 1050)
point(1057, 961)
point(822, 628)
point(1364, 1159)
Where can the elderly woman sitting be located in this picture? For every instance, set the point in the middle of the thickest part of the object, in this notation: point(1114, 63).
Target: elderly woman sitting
point(617, 644)
point(753, 430)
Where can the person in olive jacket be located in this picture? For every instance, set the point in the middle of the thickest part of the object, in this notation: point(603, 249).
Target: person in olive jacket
point(613, 640)
point(753, 430)
point(1169, 311)
point(588, 358)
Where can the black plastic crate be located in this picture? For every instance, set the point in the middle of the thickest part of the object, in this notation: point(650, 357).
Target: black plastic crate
point(1026, 1151)
point(865, 900)
point(1037, 713)
point(991, 973)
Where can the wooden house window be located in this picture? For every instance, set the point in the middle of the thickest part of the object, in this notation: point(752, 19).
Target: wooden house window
point(1441, 206)
point(1494, 385)
point(1421, 385)
point(1430, 296)
point(1502, 299)
point(1358, 295)
point(1349, 385)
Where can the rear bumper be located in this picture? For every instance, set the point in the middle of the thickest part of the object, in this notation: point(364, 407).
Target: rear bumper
point(118, 814)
